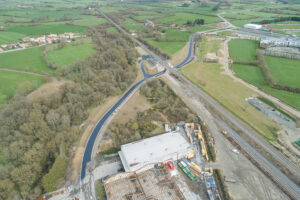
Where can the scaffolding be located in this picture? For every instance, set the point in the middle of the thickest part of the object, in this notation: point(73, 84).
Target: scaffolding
point(150, 184)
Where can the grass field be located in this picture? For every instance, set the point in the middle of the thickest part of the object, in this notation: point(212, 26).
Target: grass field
point(254, 75)
point(46, 28)
point(70, 53)
point(182, 18)
point(168, 47)
point(285, 71)
point(242, 50)
point(210, 77)
point(10, 82)
point(8, 37)
point(89, 21)
point(26, 60)
point(286, 26)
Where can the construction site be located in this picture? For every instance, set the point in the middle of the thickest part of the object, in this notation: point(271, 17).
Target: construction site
point(170, 166)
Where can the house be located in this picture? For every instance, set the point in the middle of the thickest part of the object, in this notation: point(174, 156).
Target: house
point(49, 41)
point(4, 45)
point(52, 35)
point(1, 50)
point(149, 23)
point(24, 45)
point(69, 35)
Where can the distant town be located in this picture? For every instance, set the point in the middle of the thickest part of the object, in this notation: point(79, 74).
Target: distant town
point(41, 40)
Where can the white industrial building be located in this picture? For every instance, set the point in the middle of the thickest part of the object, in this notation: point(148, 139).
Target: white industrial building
point(253, 26)
point(155, 149)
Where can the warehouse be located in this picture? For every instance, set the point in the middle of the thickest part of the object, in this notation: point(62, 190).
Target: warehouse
point(159, 148)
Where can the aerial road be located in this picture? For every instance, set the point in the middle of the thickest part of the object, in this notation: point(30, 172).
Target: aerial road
point(290, 187)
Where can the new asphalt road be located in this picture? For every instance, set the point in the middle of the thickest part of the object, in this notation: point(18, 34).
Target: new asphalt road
point(91, 141)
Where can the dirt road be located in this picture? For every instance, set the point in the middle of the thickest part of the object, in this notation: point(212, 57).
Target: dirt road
point(225, 63)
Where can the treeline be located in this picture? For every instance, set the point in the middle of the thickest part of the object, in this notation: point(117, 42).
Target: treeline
point(195, 22)
point(167, 107)
point(270, 80)
point(35, 133)
point(223, 190)
point(280, 19)
point(209, 147)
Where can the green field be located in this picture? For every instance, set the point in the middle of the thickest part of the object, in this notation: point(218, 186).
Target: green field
point(168, 47)
point(243, 50)
point(211, 78)
point(254, 75)
point(38, 30)
point(26, 60)
point(9, 37)
point(89, 21)
point(285, 71)
point(10, 82)
point(70, 53)
point(286, 26)
point(182, 18)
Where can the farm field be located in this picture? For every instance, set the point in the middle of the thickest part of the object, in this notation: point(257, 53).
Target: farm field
point(211, 78)
point(285, 71)
point(182, 18)
point(28, 60)
point(243, 50)
point(38, 30)
point(69, 54)
point(8, 37)
point(254, 75)
point(168, 47)
point(10, 82)
point(287, 26)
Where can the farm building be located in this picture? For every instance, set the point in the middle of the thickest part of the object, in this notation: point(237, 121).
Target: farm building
point(253, 26)
point(167, 146)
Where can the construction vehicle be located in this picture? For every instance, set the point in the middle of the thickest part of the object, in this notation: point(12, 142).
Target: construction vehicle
point(171, 165)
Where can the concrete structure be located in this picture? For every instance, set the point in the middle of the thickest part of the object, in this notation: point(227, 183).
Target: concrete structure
point(168, 146)
point(146, 183)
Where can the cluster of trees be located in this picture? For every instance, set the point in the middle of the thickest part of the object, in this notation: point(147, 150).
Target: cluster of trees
point(167, 102)
point(36, 133)
point(167, 107)
point(195, 22)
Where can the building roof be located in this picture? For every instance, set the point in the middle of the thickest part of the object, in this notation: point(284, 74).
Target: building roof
point(154, 149)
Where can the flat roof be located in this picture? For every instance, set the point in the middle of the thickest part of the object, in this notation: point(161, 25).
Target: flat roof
point(154, 149)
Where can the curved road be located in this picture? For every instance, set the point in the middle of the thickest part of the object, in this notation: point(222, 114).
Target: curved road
point(92, 138)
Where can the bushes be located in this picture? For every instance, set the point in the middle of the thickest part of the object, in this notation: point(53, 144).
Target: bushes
point(209, 148)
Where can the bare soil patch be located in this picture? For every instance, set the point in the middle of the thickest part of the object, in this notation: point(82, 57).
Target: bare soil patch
point(136, 103)
point(47, 89)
